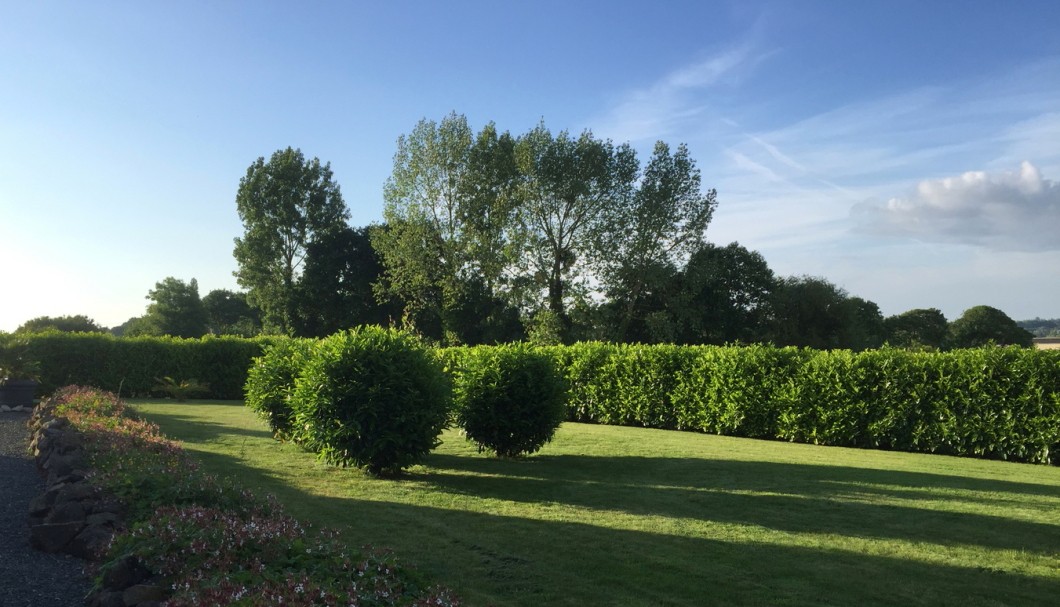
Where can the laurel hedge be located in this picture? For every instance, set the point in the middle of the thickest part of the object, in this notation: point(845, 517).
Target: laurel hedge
point(135, 366)
point(998, 403)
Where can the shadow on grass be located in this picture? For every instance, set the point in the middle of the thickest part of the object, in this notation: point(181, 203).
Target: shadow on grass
point(699, 473)
point(506, 560)
point(191, 428)
point(784, 497)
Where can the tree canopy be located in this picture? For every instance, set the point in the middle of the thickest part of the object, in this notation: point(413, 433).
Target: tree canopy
point(983, 325)
point(175, 309)
point(228, 313)
point(67, 324)
point(918, 328)
point(285, 204)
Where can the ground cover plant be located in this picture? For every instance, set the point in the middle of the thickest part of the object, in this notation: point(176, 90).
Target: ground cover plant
point(210, 540)
point(607, 515)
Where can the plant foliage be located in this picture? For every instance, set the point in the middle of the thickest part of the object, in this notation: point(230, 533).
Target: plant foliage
point(371, 397)
point(271, 381)
point(509, 399)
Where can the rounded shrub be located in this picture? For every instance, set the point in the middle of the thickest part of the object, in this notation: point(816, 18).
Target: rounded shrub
point(371, 397)
point(509, 399)
point(270, 384)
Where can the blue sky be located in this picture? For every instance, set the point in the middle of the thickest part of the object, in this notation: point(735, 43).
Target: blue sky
point(907, 151)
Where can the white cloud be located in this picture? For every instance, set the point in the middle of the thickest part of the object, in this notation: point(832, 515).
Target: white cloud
point(675, 100)
point(1014, 211)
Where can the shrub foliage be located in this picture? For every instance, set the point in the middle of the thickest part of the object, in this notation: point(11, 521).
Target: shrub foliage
point(509, 399)
point(1001, 403)
point(134, 365)
point(371, 397)
point(271, 380)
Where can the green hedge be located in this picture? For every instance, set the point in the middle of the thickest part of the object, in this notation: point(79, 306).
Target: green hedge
point(1001, 403)
point(133, 365)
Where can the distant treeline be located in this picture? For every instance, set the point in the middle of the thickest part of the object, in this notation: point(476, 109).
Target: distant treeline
point(1042, 327)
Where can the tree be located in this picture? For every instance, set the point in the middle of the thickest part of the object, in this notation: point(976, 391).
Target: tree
point(572, 195)
point(659, 228)
point(286, 205)
point(137, 326)
point(983, 325)
point(66, 324)
point(808, 312)
point(863, 326)
point(176, 308)
point(918, 328)
point(423, 250)
point(336, 292)
point(726, 296)
point(229, 313)
point(450, 244)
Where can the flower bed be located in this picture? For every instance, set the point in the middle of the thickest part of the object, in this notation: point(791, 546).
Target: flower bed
point(187, 538)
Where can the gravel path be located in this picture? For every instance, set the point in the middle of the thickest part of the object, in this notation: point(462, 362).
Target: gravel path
point(28, 578)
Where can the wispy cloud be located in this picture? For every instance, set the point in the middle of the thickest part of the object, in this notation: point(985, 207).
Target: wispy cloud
point(663, 108)
point(1015, 210)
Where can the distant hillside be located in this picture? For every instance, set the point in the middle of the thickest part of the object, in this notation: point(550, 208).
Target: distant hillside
point(1042, 327)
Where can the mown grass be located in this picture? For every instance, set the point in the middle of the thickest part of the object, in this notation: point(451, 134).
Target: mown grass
point(629, 516)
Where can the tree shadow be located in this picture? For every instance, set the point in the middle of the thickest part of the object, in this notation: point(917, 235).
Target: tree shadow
point(784, 497)
point(196, 428)
point(494, 559)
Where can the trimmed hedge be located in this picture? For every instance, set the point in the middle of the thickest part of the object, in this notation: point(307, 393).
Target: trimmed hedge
point(509, 399)
point(133, 366)
point(371, 397)
point(1001, 403)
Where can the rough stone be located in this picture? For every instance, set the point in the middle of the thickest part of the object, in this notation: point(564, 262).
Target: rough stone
point(110, 599)
point(142, 593)
point(127, 571)
point(102, 518)
point(67, 512)
point(42, 504)
point(74, 492)
point(112, 506)
point(90, 543)
point(70, 441)
point(53, 538)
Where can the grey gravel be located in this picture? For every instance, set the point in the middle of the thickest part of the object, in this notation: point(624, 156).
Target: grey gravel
point(29, 578)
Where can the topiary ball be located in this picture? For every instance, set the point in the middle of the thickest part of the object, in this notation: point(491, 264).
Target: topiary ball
point(373, 398)
point(509, 399)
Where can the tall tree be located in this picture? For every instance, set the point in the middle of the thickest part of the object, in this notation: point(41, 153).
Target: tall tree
point(423, 248)
point(336, 288)
point(66, 324)
point(726, 296)
point(228, 313)
point(919, 328)
point(658, 228)
point(176, 308)
point(983, 325)
point(572, 194)
point(863, 325)
point(286, 204)
point(808, 312)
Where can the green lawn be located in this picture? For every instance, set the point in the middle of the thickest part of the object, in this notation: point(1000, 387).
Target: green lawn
point(630, 516)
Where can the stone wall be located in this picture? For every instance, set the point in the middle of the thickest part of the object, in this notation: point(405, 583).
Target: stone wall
point(74, 517)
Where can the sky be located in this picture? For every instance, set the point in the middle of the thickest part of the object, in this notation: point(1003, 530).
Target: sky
point(907, 151)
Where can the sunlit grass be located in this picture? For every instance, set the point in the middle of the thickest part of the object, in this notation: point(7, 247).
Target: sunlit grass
point(630, 516)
